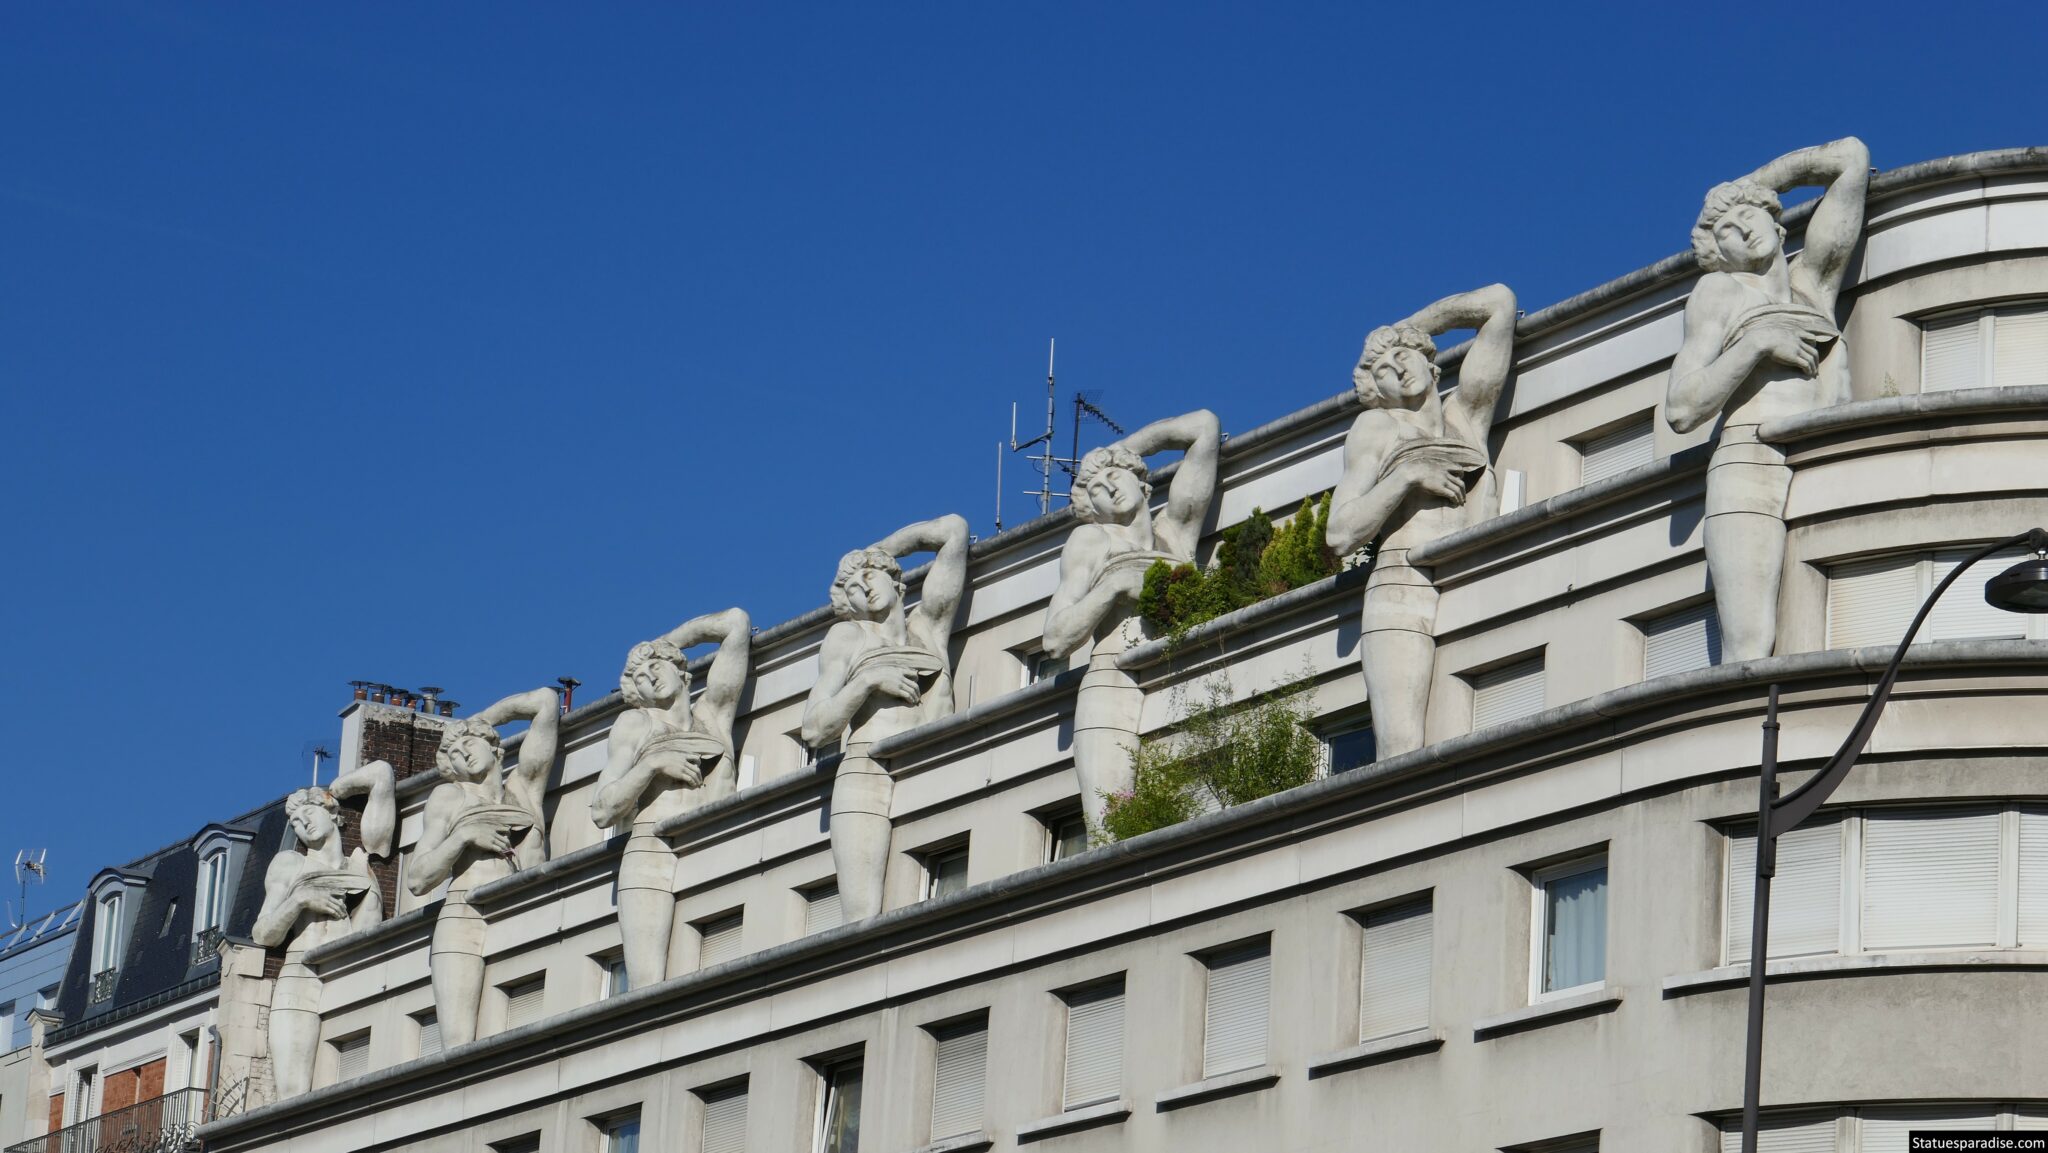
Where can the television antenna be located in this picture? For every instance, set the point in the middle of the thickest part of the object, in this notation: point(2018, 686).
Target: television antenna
point(1044, 462)
point(28, 869)
point(317, 752)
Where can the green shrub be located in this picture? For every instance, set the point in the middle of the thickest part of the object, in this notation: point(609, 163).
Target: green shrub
point(1254, 561)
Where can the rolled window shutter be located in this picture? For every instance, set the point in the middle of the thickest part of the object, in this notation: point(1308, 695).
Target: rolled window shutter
point(2019, 348)
point(1885, 1130)
point(721, 941)
point(523, 1003)
point(1684, 640)
point(1234, 1024)
point(1962, 611)
point(1804, 1133)
point(1394, 985)
point(725, 1122)
point(1806, 895)
point(1095, 1047)
point(1612, 453)
point(1930, 879)
point(2033, 879)
point(354, 1055)
point(2030, 1119)
point(959, 1075)
point(1951, 355)
point(821, 910)
point(1503, 694)
point(430, 1035)
point(1870, 602)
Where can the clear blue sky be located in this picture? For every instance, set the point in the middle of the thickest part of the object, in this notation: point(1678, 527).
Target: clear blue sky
point(469, 344)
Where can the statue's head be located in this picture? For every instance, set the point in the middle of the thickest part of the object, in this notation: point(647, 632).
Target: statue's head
point(1397, 369)
point(655, 675)
point(470, 751)
point(1738, 228)
point(868, 584)
point(1111, 485)
point(314, 815)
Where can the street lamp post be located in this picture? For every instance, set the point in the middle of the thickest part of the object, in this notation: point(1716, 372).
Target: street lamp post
point(2023, 588)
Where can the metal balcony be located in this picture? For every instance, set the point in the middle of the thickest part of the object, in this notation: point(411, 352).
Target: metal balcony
point(102, 986)
point(159, 1125)
point(206, 946)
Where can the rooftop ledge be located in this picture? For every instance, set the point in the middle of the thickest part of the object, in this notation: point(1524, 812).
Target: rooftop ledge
point(1296, 810)
point(1857, 414)
point(1856, 965)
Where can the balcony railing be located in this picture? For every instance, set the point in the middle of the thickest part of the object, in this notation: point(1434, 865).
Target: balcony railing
point(206, 946)
point(160, 1125)
point(102, 986)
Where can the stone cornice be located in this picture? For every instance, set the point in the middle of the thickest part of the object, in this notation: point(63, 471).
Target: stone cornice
point(1858, 415)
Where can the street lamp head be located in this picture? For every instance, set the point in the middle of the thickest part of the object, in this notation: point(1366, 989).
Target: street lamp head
point(2023, 588)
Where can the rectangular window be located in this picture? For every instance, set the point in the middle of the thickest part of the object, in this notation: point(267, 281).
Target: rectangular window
point(1038, 665)
point(106, 934)
point(1930, 878)
point(1347, 747)
point(1066, 835)
point(718, 939)
point(749, 772)
point(1885, 1129)
point(1870, 602)
point(1095, 1045)
point(945, 872)
point(1682, 641)
point(523, 1001)
point(622, 1134)
point(1394, 970)
point(959, 1078)
point(352, 1056)
point(1806, 894)
point(1796, 1133)
point(613, 967)
point(810, 756)
point(2002, 348)
point(211, 912)
point(1503, 694)
point(725, 1119)
point(1571, 927)
point(1234, 1016)
point(821, 909)
point(839, 1107)
point(1628, 445)
point(429, 1027)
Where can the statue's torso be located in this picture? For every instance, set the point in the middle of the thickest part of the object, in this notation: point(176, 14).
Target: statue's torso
point(1776, 390)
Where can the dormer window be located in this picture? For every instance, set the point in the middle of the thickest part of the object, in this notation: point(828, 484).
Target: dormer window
point(107, 933)
point(210, 912)
point(221, 851)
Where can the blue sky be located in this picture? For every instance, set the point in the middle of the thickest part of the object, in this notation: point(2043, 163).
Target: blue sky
point(468, 344)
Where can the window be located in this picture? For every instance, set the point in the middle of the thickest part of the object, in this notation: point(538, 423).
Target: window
point(1628, 445)
point(1038, 665)
point(212, 912)
point(1681, 641)
point(1806, 894)
point(718, 939)
point(352, 1056)
point(748, 773)
point(612, 970)
point(106, 934)
point(85, 1095)
point(821, 909)
point(1066, 835)
point(839, 1107)
point(2000, 348)
point(1570, 938)
point(1510, 691)
point(1930, 878)
point(945, 871)
point(1095, 1045)
point(7, 1027)
point(1348, 746)
point(1876, 1128)
point(1870, 602)
point(429, 1028)
point(725, 1119)
point(1394, 970)
point(959, 1077)
point(622, 1134)
point(810, 756)
point(523, 1001)
point(1234, 1016)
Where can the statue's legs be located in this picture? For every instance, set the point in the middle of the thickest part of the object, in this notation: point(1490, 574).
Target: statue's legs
point(1397, 647)
point(455, 966)
point(647, 905)
point(1105, 732)
point(1747, 483)
point(860, 832)
point(294, 1028)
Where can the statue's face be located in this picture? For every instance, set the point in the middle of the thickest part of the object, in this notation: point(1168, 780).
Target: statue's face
point(1117, 494)
point(1747, 238)
point(1403, 377)
point(658, 680)
point(873, 592)
point(468, 759)
point(312, 825)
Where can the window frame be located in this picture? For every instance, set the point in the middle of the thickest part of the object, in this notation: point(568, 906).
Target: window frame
point(1644, 422)
point(209, 911)
point(1222, 956)
point(1540, 880)
point(939, 1033)
point(609, 1130)
point(1985, 318)
point(1057, 819)
point(929, 862)
point(826, 1070)
point(1090, 992)
point(1408, 903)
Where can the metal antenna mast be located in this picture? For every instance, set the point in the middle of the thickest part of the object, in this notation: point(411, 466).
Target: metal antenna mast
point(28, 868)
point(1044, 462)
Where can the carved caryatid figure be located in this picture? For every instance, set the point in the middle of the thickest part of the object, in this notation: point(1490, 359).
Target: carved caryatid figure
point(1414, 465)
point(1102, 571)
point(1760, 343)
point(481, 823)
point(312, 894)
point(665, 755)
point(882, 670)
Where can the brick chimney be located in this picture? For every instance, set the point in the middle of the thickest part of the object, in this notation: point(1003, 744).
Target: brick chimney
point(374, 730)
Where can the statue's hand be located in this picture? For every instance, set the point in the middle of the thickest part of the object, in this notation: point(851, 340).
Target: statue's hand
point(1434, 476)
point(893, 682)
point(487, 837)
point(320, 901)
point(1791, 347)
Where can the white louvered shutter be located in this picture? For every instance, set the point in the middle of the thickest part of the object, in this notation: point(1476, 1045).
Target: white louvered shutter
point(959, 1076)
point(354, 1054)
point(1234, 1023)
point(1797, 1134)
point(1806, 895)
point(1395, 972)
point(2033, 879)
point(430, 1035)
point(1506, 693)
point(1951, 355)
point(725, 1122)
point(2030, 1120)
point(1930, 879)
point(721, 941)
point(1962, 611)
point(1685, 640)
point(1885, 1130)
point(1095, 1047)
point(821, 910)
point(523, 1003)
point(1612, 453)
point(1870, 602)
point(2019, 348)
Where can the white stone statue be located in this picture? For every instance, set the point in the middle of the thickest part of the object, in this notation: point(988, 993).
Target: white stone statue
point(665, 755)
point(1761, 343)
point(1102, 571)
point(882, 670)
point(313, 894)
point(1414, 471)
point(481, 824)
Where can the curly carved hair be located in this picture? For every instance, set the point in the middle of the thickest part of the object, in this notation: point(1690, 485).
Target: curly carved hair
point(1383, 342)
point(1720, 200)
point(314, 797)
point(470, 727)
point(644, 654)
point(1093, 463)
point(851, 566)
